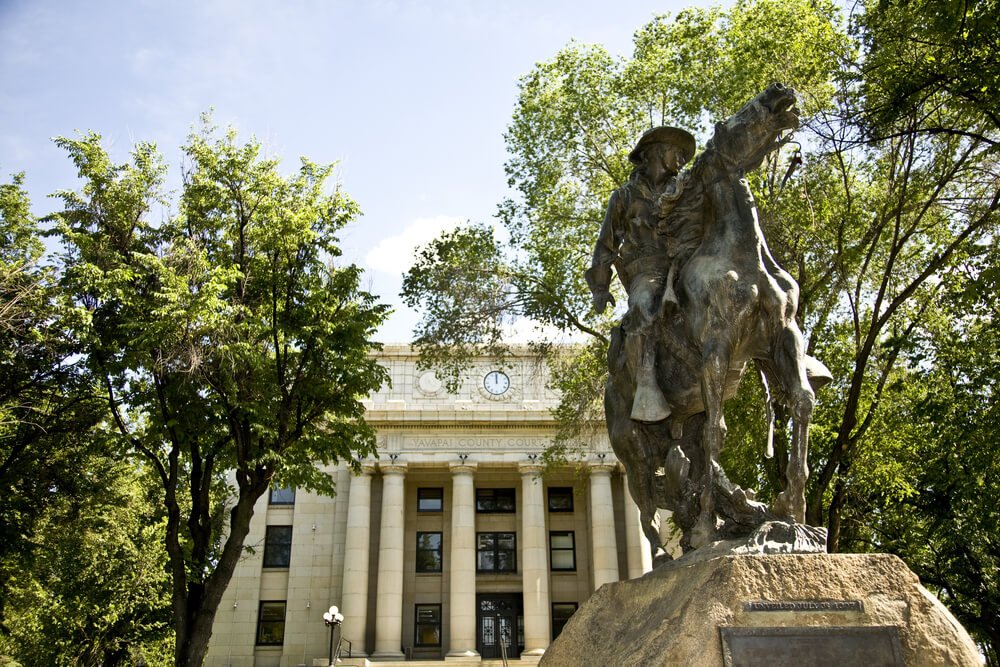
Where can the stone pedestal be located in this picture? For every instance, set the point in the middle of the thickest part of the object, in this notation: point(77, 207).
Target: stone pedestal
point(717, 611)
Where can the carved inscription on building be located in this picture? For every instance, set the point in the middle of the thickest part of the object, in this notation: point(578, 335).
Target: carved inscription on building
point(475, 442)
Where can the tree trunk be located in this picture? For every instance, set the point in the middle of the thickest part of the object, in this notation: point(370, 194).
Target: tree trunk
point(833, 520)
point(202, 599)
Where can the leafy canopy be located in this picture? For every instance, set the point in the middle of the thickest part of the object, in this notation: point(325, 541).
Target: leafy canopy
point(232, 347)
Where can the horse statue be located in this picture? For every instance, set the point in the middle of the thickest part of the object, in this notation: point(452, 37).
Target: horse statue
point(726, 302)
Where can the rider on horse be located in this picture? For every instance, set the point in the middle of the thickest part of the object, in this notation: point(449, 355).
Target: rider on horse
point(632, 240)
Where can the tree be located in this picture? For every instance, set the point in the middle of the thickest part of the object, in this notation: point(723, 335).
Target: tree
point(944, 523)
point(232, 350)
point(931, 57)
point(98, 593)
point(914, 153)
point(47, 406)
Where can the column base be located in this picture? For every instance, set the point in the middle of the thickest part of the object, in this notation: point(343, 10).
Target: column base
point(532, 656)
point(459, 654)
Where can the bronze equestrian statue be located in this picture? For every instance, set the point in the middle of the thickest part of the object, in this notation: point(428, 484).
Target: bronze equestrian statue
point(705, 297)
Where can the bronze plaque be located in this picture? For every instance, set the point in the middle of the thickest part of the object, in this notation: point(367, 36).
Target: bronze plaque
point(876, 646)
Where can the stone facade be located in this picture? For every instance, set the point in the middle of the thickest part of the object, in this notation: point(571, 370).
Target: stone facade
point(450, 539)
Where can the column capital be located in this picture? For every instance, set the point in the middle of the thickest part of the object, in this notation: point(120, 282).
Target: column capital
point(393, 468)
point(533, 468)
point(368, 467)
point(600, 466)
point(462, 467)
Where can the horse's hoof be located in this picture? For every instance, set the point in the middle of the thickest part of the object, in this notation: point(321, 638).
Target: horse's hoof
point(781, 507)
point(789, 508)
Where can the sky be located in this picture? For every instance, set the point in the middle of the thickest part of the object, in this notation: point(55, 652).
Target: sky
point(410, 97)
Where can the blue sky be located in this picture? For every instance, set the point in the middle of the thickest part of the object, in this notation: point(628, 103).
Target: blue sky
point(411, 97)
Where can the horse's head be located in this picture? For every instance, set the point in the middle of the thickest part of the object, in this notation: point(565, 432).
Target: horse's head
point(755, 130)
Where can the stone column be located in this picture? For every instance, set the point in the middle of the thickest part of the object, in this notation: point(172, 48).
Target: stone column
point(669, 537)
point(640, 559)
point(389, 605)
point(462, 565)
point(602, 524)
point(534, 562)
point(354, 604)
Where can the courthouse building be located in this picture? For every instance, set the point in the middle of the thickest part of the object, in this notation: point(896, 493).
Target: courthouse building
point(449, 547)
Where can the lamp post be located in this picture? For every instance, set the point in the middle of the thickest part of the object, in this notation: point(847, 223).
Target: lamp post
point(333, 618)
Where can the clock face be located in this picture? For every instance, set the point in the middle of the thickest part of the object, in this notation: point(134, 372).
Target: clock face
point(496, 382)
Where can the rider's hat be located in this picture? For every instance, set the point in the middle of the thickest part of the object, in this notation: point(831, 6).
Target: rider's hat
point(664, 135)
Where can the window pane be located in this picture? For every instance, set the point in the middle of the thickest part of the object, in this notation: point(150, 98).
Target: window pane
point(486, 540)
point(428, 625)
point(561, 612)
point(428, 561)
point(505, 540)
point(505, 561)
point(271, 623)
point(562, 541)
point(427, 613)
point(495, 500)
point(429, 552)
point(505, 500)
point(563, 560)
point(485, 561)
point(430, 500)
point(560, 499)
point(278, 546)
point(284, 496)
point(485, 500)
point(429, 541)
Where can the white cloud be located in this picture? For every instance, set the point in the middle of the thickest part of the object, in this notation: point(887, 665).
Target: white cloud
point(395, 254)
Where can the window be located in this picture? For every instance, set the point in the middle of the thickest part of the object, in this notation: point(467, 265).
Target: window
point(562, 550)
point(271, 624)
point(560, 499)
point(496, 552)
point(278, 546)
point(428, 625)
point(561, 611)
point(282, 496)
point(495, 501)
point(430, 500)
point(428, 552)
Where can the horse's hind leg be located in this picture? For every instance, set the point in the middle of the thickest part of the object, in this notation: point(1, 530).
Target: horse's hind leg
point(790, 366)
point(716, 366)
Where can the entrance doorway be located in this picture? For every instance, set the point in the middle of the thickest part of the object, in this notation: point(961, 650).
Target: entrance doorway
point(499, 618)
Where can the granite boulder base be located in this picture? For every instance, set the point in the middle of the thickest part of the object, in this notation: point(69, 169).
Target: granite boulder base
point(808, 609)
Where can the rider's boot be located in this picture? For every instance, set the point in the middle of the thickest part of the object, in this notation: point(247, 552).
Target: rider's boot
point(649, 404)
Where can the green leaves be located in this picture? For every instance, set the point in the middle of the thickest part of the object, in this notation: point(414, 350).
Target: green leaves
point(98, 593)
point(936, 62)
point(226, 337)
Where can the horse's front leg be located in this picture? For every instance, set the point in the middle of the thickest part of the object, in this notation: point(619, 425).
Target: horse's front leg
point(791, 367)
point(716, 366)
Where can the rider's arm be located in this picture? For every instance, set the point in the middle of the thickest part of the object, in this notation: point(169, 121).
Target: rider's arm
point(606, 252)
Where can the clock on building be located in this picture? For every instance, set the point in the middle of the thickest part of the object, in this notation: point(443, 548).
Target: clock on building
point(496, 383)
